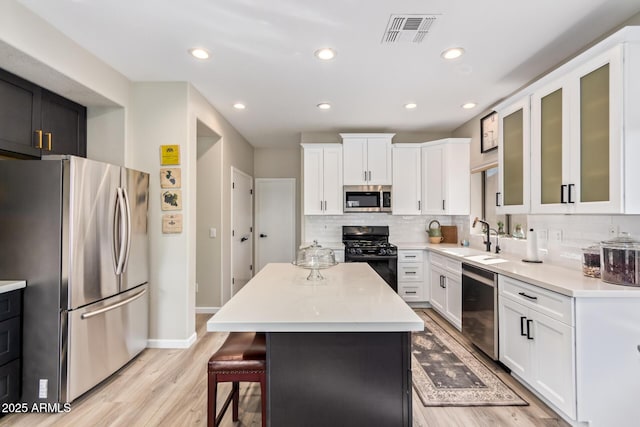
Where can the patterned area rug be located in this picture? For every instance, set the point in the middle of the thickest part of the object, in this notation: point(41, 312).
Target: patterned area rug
point(446, 374)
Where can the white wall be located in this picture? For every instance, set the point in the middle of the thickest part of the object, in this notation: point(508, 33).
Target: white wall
point(159, 116)
point(209, 215)
point(281, 163)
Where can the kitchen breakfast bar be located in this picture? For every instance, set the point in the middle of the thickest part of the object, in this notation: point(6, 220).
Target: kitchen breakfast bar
point(338, 349)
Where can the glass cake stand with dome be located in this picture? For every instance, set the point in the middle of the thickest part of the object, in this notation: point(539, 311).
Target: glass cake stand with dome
point(315, 258)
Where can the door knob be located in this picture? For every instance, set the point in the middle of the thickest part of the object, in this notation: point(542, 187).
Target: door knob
point(263, 235)
point(243, 239)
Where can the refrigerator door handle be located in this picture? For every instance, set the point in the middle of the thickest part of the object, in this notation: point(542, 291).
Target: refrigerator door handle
point(122, 233)
point(128, 228)
point(99, 311)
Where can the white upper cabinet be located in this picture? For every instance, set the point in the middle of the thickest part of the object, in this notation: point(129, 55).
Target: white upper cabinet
point(322, 179)
point(583, 129)
point(513, 155)
point(407, 180)
point(367, 158)
point(577, 133)
point(446, 177)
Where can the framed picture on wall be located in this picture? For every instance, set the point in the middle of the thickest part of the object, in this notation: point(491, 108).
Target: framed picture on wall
point(489, 132)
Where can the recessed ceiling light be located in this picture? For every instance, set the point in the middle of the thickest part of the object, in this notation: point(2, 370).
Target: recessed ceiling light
point(199, 53)
point(326, 53)
point(410, 106)
point(239, 106)
point(452, 53)
point(469, 105)
point(324, 106)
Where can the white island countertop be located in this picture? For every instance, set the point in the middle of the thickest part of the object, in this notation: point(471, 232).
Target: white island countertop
point(11, 285)
point(352, 298)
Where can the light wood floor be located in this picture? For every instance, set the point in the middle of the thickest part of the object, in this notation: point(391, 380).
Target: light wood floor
point(168, 388)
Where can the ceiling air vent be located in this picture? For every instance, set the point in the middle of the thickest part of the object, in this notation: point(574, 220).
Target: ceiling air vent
point(408, 28)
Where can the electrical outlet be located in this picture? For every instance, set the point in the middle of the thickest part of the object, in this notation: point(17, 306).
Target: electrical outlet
point(613, 230)
point(555, 235)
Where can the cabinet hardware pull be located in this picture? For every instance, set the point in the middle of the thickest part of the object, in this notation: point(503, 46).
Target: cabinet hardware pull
point(443, 205)
point(529, 322)
point(443, 284)
point(365, 175)
point(419, 206)
point(498, 199)
point(39, 132)
point(570, 198)
point(49, 137)
point(410, 292)
point(638, 347)
point(325, 205)
point(369, 175)
point(527, 296)
point(321, 205)
point(409, 256)
point(522, 326)
point(409, 272)
point(562, 187)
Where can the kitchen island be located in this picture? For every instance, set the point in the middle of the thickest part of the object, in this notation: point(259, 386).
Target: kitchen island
point(338, 350)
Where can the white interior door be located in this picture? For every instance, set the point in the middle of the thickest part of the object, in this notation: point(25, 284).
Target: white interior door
point(241, 229)
point(275, 220)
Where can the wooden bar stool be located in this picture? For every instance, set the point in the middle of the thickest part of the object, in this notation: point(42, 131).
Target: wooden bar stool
point(242, 357)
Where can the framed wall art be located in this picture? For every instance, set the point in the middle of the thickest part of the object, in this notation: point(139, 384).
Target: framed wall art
point(170, 178)
point(172, 223)
point(169, 155)
point(489, 132)
point(171, 200)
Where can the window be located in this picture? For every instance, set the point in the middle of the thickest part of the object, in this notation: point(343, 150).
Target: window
point(489, 190)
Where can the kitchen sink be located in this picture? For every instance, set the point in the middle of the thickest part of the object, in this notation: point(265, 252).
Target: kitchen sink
point(464, 252)
point(486, 259)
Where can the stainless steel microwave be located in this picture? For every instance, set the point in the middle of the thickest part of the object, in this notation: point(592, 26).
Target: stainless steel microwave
point(367, 198)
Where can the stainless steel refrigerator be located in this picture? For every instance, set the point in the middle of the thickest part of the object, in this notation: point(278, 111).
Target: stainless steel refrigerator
point(76, 231)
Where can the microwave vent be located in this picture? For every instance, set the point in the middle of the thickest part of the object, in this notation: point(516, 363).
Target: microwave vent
point(407, 28)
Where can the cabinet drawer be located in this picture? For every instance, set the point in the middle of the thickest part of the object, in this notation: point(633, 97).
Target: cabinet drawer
point(453, 266)
point(553, 304)
point(10, 304)
point(411, 272)
point(410, 256)
point(10, 340)
point(10, 382)
point(410, 292)
point(439, 260)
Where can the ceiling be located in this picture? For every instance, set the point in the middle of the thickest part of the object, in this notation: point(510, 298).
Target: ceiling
point(262, 54)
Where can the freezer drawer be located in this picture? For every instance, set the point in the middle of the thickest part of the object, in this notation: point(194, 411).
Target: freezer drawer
point(103, 337)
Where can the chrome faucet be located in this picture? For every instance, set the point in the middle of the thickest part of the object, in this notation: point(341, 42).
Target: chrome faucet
point(485, 229)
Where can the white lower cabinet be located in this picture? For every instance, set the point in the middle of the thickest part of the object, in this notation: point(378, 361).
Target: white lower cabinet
point(539, 348)
point(445, 283)
point(411, 276)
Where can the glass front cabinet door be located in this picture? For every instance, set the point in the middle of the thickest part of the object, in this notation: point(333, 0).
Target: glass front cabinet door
point(513, 152)
point(576, 130)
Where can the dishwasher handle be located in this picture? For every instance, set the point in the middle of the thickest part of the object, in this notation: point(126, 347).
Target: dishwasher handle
point(477, 277)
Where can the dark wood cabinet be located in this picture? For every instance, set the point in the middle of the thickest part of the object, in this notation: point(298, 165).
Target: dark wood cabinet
point(10, 345)
point(64, 125)
point(35, 121)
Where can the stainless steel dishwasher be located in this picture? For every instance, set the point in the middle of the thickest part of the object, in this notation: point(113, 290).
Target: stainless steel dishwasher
point(480, 308)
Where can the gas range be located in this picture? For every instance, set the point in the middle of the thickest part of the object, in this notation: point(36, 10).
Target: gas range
point(370, 244)
point(364, 248)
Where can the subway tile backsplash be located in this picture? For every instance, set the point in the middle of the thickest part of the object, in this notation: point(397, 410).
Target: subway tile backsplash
point(401, 228)
point(576, 232)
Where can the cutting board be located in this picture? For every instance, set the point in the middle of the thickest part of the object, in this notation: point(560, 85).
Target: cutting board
point(449, 233)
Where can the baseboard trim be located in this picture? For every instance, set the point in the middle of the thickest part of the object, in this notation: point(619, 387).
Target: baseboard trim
point(207, 310)
point(152, 343)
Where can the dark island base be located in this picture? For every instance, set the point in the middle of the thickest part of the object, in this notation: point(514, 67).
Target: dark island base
point(339, 379)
